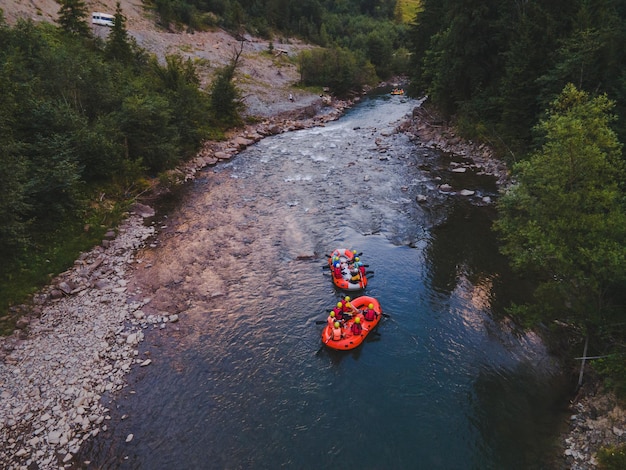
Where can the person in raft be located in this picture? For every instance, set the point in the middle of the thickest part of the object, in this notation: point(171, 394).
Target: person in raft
point(370, 314)
point(337, 334)
point(358, 264)
point(355, 275)
point(356, 329)
point(331, 318)
point(337, 270)
point(338, 311)
point(347, 307)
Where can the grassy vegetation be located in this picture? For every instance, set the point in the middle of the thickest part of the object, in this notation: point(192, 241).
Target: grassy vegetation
point(612, 369)
point(612, 458)
point(408, 9)
point(54, 255)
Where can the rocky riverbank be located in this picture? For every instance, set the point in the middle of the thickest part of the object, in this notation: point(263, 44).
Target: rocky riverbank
point(429, 130)
point(75, 345)
point(597, 421)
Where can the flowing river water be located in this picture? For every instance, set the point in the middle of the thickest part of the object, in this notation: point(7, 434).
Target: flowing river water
point(243, 380)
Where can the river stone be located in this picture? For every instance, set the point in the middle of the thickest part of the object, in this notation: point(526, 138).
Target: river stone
point(54, 437)
point(142, 210)
point(222, 155)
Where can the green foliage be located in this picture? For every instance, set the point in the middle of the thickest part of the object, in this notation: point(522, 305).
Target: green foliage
point(612, 458)
point(77, 122)
point(13, 204)
point(73, 17)
point(118, 47)
point(612, 369)
point(226, 102)
point(176, 13)
point(406, 10)
point(510, 61)
point(151, 136)
point(338, 69)
point(565, 220)
point(179, 81)
point(380, 52)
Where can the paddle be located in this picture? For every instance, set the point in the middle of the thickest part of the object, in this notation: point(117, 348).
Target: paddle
point(320, 322)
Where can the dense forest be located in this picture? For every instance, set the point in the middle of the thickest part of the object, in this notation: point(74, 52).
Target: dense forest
point(498, 65)
point(544, 84)
point(84, 125)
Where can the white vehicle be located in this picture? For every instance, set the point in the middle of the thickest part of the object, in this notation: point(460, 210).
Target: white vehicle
point(103, 19)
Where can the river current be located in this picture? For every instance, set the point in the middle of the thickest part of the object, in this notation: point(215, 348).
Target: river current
point(243, 380)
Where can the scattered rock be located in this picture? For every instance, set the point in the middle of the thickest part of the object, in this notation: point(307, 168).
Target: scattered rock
point(80, 345)
point(597, 421)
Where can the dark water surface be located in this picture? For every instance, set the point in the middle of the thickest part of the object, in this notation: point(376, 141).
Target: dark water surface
point(243, 381)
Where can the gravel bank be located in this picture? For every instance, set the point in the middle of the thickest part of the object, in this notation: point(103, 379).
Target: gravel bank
point(76, 346)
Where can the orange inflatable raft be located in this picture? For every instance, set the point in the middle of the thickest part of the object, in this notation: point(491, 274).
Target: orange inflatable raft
point(350, 278)
point(348, 340)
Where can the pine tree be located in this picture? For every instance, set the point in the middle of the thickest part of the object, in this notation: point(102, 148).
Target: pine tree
point(73, 17)
point(118, 46)
point(565, 219)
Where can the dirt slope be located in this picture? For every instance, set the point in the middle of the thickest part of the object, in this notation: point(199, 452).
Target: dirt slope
point(265, 80)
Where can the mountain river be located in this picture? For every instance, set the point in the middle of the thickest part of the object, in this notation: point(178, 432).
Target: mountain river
point(243, 380)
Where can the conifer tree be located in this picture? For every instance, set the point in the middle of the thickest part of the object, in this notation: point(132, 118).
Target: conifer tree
point(73, 17)
point(225, 101)
point(565, 220)
point(118, 46)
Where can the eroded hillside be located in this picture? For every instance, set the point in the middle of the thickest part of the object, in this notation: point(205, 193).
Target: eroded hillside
point(265, 79)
